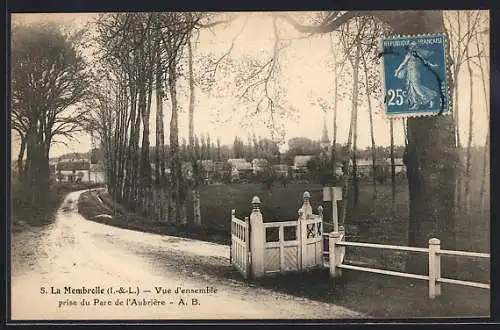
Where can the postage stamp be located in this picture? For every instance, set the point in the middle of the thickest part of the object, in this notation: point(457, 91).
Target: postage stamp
point(415, 74)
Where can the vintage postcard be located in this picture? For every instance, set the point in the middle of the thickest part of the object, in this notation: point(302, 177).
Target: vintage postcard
point(329, 165)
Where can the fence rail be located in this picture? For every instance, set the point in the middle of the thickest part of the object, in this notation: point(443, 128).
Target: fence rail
point(466, 283)
point(382, 246)
point(280, 224)
point(384, 272)
point(464, 253)
point(337, 244)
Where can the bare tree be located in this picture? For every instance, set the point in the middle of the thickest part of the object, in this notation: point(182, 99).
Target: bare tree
point(460, 38)
point(372, 81)
point(372, 135)
point(160, 154)
point(49, 83)
point(360, 46)
point(147, 47)
point(175, 33)
point(337, 69)
point(101, 122)
point(483, 54)
point(472, 24)
point(351, 37)
point(195, 161)
point(471, 114)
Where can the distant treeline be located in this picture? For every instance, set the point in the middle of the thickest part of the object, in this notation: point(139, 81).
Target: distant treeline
point(255, 147)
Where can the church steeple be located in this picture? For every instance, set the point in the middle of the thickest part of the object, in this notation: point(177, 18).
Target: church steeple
point(325, 141)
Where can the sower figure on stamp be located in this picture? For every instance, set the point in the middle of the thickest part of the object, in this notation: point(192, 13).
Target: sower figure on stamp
point(411, 67)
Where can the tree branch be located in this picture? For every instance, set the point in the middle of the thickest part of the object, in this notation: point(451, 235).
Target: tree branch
point(216, 23)
point(213, 71)
point(329, 24)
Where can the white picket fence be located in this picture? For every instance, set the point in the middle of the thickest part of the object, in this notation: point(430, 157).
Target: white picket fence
point(336, 253)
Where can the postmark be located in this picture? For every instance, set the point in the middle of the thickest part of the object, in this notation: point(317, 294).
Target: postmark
point(415, 75)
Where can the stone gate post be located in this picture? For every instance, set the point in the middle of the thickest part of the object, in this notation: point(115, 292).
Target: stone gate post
point(257, 239)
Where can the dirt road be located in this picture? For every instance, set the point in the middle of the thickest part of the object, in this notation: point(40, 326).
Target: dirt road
point(52, 265)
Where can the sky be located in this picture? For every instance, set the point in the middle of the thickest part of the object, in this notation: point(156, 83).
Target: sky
point(305, 77)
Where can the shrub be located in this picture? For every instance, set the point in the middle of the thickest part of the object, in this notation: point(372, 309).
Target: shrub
point(226, 176)
point(43, 213)
point(269, 176)
point(321, 170)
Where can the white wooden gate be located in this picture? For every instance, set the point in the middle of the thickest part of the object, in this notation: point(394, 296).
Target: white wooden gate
point(277, 247)
point(240, 244)
point(281, 247)
point(311, 232)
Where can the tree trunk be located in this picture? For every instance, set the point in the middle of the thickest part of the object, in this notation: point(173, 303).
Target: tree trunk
point(393, 165)
point(148, 171)
point(456, 72)
point(197, 207)
point(145, 172)
point(175, 192)
point(458, 58)
point(355, 125)
point(468, 159)
point(455, 106)
point(37, 163)
point(372, 134)
point(485, 172)
point(184, 198)
point(129, 167)
point(136, 183)
point(335, 102)
point(159, 109)
point(346, 199)
point(191, 93)
point(405, 131)
point(20, 158)
point(195, 187)
point(159, 146)
point(120, 161)
point(484, 175)
point(458, 194)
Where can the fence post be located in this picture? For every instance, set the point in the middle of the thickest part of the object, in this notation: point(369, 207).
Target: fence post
point(434, 268)
point(318, 246)
point(247, 245)
point(341, 248)
point(257, 239)
point(306, 206)
point(233, 212)
point(305, 213)
point(300, 238)
point(336, 196)
point(333, 239)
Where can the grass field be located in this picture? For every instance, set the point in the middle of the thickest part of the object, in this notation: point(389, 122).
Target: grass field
point(370, 221)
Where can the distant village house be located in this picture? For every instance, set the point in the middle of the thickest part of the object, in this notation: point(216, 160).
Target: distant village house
point(73, 171)
point(77, 170)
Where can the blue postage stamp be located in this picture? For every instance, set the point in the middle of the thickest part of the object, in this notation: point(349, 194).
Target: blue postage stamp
point(415, 75)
